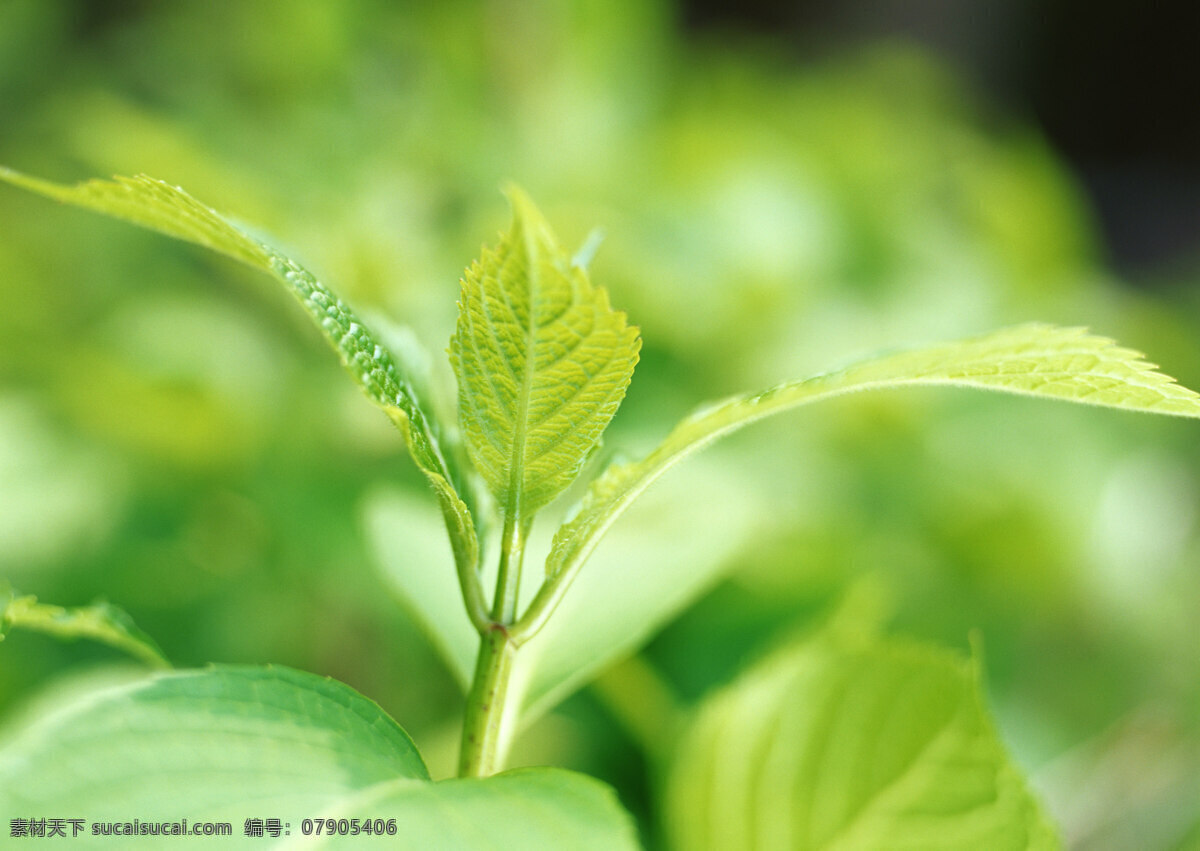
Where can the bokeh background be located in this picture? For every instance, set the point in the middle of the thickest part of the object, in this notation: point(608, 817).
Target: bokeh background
point(783, 188)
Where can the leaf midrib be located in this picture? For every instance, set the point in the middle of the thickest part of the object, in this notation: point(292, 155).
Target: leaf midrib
point(516, 474)
point(844, 835)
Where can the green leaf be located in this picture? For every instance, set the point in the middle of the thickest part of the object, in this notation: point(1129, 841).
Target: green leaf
point(402, 531)
point(224, 737)
point(542, 363)
point(669, 555)
point(168, 209)
point(518, 810)
point(843, 743)
point(233, 743)
point(1034, 360)
point(100, 621)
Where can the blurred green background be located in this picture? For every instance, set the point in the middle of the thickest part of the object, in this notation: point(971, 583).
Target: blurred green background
point(176, 438)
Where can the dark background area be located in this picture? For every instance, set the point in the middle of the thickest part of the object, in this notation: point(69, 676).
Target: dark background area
point(1113, 85)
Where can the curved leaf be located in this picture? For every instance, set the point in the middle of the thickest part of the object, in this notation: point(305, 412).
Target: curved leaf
point(1034, 360)
point(670, 556)
point(159, 206)
point(100, 621)
point(542, 363)
point(514, 811)
point(411, 552)
point(844, 744)
point(201, 744)
point(229, 744)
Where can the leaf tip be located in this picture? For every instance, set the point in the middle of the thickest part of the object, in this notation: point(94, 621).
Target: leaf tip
point(526, 216)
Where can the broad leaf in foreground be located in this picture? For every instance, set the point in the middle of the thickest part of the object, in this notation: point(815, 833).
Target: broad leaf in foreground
point(230, 743)
point(518, 810)
point(542, 363)
point(1033, 360)
point(851, 744)
point(100, 621)
point(159, 206)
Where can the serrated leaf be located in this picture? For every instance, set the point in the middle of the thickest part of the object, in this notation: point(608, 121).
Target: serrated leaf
point(228, 744)
point(848, 744)
point(542, 363)
point(159, 206)
point(1035, 360)
point(100, 621)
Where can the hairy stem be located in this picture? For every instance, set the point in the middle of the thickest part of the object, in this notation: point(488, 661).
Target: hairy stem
point(544, 603)
point(484, 739)
point(485, 722)
point(466, 563)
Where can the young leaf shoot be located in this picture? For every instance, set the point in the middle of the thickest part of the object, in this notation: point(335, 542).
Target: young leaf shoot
point(792, 749)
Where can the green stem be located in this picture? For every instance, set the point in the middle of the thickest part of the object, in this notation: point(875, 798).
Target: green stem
point(485, 721)
point(544, 603)
point(466, 563)
point(508, 580)
point(484, 740)
point(472, 591)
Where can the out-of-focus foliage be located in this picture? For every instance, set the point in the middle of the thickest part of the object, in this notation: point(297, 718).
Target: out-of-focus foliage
point(848, 742)
point(175, 438)
point(296, 745)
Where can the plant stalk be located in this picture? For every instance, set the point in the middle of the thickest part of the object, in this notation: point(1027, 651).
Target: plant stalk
point(485, 721)
point(508, 579)
point(466, 564)
point(544, 603)
point(484, 739)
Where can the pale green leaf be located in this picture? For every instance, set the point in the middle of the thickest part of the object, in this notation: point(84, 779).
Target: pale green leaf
point(205, 744)
point(412, 554)
point(229, 743)
point(159, 206)
point(100, 621)
point(851, 744)
point(670, 556)
point(655, 563)
point(515, 811)
point(1034, 360)
point(542, 363)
